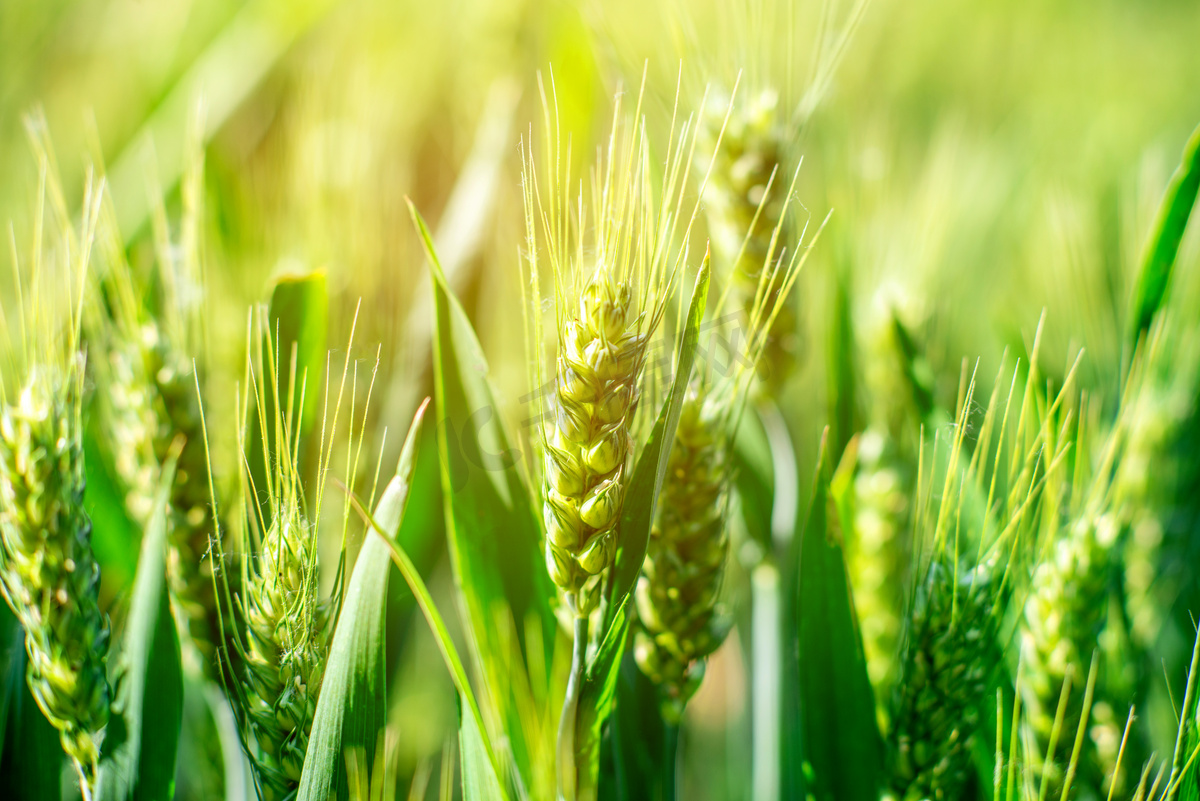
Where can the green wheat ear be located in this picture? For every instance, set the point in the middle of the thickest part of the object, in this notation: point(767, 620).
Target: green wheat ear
point(951, 653)
point(612, 278)
point(149, 368)
point(746, 213)
point(879, 555)
point(48, 573)
point(952, 645)
point(282, 622)
point(1067, 614)
point(680, 622)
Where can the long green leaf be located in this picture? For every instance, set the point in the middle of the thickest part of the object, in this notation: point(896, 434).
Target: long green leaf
point(114, 536)
point(472, 720)
point(352, 706)
point(494, 534)
point(831, 743)
point(31, 765)
point(1158, 259)
point(480, 779)
point(637, 739)
point(141, 742)
point(600, 678)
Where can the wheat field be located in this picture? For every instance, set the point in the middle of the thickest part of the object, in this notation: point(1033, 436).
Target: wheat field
point(563, 400)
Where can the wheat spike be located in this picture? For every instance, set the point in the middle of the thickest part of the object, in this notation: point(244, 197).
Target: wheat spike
point(1155, 474)
point(601, 353)
point(745, 212)
point(189, 563)
point(1063, 619)
point(680, 622)
point(876, 557)
point(150, 399)
point(900, 382)
point(150, 371)
point(610, 297)
point(685, 560)
point(946, 668)
point(283, 642)
point(285, 652)
point(48, 572)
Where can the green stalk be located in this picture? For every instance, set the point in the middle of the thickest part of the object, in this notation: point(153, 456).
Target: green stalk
point(767, 693)
point(568, 774)
point(670, 761)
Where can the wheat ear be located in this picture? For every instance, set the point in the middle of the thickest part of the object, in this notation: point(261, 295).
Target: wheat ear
point(48, 573)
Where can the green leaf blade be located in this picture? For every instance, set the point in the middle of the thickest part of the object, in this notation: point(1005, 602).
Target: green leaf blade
point(480, 778)
point(352, 706)
point(1170, 222)
point(31, 766)
point(831, 743)
point(141, 743)
point(493, 531)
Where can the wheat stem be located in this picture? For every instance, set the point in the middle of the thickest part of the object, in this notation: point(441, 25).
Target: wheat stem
point(568, 769)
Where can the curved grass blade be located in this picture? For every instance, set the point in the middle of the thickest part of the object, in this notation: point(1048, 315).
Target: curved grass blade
point(600, 678)
point(494, 531)
point(141, 742)
point(480, 780)
point(831, 743)
point(352, 707)
point(494, 534)
point(480, 768)
point(1158, 259)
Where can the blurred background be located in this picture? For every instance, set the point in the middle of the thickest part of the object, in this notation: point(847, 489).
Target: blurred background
point(984, 160)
